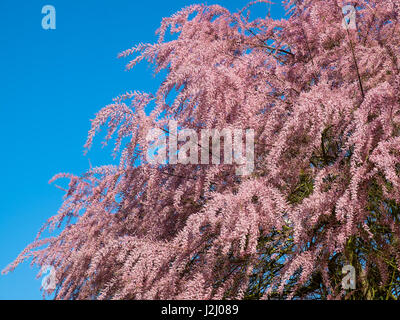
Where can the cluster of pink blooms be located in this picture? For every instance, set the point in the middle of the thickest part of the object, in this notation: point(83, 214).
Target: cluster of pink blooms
point(142, 231)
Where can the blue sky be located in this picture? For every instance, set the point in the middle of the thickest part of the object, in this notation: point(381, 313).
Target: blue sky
point(52, 83)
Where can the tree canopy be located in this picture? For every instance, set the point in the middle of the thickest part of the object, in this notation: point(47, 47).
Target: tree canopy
point(323, 101)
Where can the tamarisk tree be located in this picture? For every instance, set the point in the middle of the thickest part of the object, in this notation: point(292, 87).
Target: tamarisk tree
point(323, 101)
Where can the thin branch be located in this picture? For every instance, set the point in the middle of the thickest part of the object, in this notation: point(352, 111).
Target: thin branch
point(354, 59)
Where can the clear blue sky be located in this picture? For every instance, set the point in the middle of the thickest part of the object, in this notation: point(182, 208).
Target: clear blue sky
point(52, 83)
